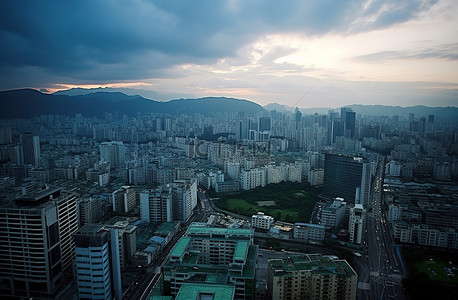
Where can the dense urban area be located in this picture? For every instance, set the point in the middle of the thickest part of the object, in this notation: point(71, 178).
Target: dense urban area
point(229, 205)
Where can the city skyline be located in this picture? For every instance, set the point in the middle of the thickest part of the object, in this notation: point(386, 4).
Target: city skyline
point(312, 54)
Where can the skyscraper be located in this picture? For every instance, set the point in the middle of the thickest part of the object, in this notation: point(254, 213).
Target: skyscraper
point(344, 174)
point(31, 148)
point(348, 117)
point(36, 249)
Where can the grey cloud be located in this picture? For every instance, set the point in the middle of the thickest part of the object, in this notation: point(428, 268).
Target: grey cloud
point(105, 40)
point(446, 52)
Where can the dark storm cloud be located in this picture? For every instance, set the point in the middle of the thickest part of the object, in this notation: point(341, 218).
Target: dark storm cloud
point(106, 40)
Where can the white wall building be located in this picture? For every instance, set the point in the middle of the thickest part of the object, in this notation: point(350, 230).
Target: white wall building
point(356, 224)
point(333, 215)
point(156, 205)
point(308, 232)
point(262, 221)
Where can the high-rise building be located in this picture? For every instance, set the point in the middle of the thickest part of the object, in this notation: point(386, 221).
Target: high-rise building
point(184, 197)
point(124, 199)
point(95, 265)
point(90, 210)
point(31, 148)
point(343, 175)
point(356, 224)
point(36, 248)
point(156, 205)
point(348, 117)
point(310, 276)
point(264, 124)
point(114, 153)
point(215, 256)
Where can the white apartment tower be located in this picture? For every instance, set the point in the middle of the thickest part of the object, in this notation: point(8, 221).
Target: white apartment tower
point(124, 199)
point(156, 205)
point(356, 224)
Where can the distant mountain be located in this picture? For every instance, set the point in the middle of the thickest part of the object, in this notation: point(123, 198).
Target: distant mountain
point(279, 107)
point(148, 94)
point(28, 103)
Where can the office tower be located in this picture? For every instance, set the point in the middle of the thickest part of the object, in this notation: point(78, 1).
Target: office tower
point(297, 117)
point(94, 264)
point(113, 153)
point(36, 249)
point(310, 276)
point(213, 255)
point(156, 205)
point(16, 154)
point(31, 148)
point(124, 199)
point(422, 125)
point(349, 123)
point(356, 224)
point(264, 124)
point(344, 174)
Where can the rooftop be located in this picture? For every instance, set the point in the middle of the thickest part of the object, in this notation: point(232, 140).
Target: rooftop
point(180, 247)
point(204, 291)
point(316, 264)
point(241, 249)
point(198, 230)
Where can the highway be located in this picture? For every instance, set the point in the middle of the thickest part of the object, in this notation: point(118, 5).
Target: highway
point(381, 262)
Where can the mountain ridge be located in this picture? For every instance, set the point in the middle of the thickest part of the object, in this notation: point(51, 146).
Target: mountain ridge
point(28, 103)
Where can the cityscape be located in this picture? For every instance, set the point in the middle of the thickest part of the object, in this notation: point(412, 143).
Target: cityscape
point(160, 150)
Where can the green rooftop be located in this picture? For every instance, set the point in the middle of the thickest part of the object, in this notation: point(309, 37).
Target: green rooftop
point(196, 291)
point(165, 228)
point(180, 247)
point(317, 264)
point(199, 230)
point(241, 249)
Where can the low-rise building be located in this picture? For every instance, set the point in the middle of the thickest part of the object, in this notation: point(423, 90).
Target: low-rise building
point(261, 221)
point(308, 232)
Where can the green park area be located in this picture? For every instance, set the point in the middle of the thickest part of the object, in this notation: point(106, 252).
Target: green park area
point(437, 269)
point(286, 201)
point(431, 273)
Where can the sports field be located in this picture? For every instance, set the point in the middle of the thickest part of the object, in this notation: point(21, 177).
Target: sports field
point(289, 202)
point(437, 269)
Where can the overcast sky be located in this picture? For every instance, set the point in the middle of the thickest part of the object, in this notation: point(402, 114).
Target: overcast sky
point(306, 53)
